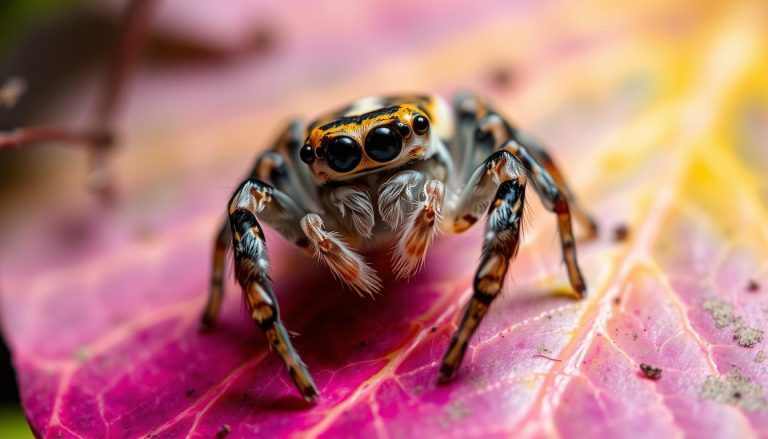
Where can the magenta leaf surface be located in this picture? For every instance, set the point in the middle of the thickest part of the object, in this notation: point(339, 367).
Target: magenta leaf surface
point(103, 326)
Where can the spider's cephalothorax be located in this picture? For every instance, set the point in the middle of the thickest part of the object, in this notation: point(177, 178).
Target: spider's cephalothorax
point(385, 164)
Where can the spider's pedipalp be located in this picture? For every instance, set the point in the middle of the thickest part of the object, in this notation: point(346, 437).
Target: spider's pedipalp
point(418, 231)
point(344, 263)
point(396, 196)
point(355, 205)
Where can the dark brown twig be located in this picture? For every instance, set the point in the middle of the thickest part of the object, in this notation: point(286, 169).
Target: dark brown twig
point(99, 139)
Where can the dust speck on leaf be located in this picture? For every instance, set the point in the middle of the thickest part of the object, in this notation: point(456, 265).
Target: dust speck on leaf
point(190, 392)
point(747, 336)
point(457, 411)
point(753, 286)
point(734, 389)
point(723, 316)
point(720, 311)
point(650, 372)
point(81, 355)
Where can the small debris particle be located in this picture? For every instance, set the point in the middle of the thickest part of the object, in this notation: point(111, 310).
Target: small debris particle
point(543, 352)
point(760, 357)
point(634, 336)
point(457, 411)
point(81, 355)
point(361, 344)
point(617, 300)
point(620, 233)
point(11, 91)
point(734, 389)
point(433, 329)
point(190, 392)
point(753, 286)
point(650, 372)
point(223, 431)
point(747, 337)
point(501, 77)
point(720, 311)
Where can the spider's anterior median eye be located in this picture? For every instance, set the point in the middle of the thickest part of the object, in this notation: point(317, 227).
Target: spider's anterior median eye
point(306, 154)
point(343, 154)
point(420, 124)
point(383, 144)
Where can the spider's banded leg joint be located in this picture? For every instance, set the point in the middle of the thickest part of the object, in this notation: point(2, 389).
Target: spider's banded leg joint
point(501, 242)
point(556, 200)
point(344, 263)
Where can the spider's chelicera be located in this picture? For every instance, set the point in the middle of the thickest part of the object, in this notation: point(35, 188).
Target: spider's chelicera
point(385, 164)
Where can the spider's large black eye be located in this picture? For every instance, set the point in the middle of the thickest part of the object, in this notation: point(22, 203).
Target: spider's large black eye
point(420, 124)
point(383, 144)
point(343, 154)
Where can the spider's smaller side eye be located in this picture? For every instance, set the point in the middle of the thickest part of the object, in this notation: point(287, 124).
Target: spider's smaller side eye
point(403, 129)
point(420, 124)
point(306, 154)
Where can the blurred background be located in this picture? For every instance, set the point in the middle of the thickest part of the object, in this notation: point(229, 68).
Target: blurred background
point(191, 90)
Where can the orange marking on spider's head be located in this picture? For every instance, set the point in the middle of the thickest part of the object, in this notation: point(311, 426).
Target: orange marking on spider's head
point(350, 143)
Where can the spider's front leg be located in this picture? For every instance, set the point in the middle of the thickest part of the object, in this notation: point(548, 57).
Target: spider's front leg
point(273, 167)
point(256, 199)
point(501, 173)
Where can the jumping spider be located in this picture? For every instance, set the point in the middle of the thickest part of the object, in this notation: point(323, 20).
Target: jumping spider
point(385, 164)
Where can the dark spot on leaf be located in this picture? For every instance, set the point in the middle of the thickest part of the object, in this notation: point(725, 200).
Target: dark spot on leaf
point(190, 392)
point(361, 344)
point(650, 372)
point(620, 233)
point(223, 431)
point(753, 286)
point(501, 77)
point(433, 329)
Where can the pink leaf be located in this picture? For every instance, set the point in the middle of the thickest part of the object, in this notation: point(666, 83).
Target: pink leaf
point(104, 328)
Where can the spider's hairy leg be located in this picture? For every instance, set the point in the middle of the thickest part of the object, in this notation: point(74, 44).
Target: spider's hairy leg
point(502, 131)
point(216, 292)
point(272, 167)
point(344, 263)
point(556, 201)
point(501, 241)
point(256, 199)
point(419, 229)
point(468, 149)
point(475, 198)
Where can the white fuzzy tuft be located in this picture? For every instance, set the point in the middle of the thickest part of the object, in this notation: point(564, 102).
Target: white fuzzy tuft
point(345, 264)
